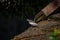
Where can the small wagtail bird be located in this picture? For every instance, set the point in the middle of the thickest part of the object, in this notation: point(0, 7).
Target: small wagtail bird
point(31, 22)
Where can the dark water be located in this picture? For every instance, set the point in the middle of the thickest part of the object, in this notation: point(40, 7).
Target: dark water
point(7, 27)
point(11, 27)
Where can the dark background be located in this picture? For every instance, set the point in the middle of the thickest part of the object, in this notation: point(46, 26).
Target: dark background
point(13, 15)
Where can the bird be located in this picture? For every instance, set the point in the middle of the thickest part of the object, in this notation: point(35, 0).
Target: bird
point(32, 23)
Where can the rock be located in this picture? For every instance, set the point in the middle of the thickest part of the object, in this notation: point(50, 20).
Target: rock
point(36, 33)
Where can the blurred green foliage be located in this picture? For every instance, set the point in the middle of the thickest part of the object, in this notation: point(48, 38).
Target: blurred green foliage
point(54, 35)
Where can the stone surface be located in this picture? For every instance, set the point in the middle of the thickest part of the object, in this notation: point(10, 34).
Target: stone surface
point(38, 33)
